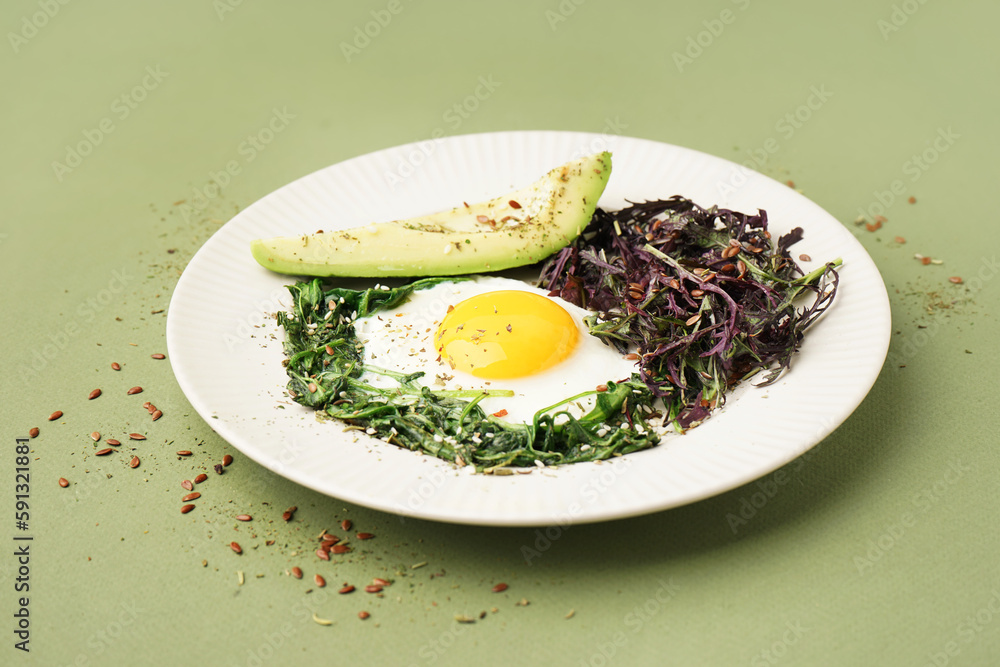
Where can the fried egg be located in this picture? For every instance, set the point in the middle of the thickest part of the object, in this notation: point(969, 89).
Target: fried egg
point(493, 333)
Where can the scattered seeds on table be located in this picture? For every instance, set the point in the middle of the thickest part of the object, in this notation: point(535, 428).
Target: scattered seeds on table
point(805, 258)
point(227, 460)
point(134, 463)
point(94, 394)
point(186, 508)
point(63, 482)
point(320, 581)
point(136, 436)
point(363, 615)
point(340, 549)
point(346, 524)
point(33, 432)
point(156, 415)
point(55, 415)
point(158, 356)
point(346, 589)
point(103, 452)
point(134, 390)
point(956, 279)
point(373, 588)
point(187, 485)
point(365, 536)
point(191, 496)
point(200, 478)
point(184, 452)
point(112, 442)
point(95, 436)
point(500, 588)
point(289, 513)
point(244, 517)
point(235, 546)
point(297, 572)
point(323, 554)
point(379, 581)
point(115, 366)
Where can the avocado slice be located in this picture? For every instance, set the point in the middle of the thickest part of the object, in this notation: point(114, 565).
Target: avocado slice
point(519, 228)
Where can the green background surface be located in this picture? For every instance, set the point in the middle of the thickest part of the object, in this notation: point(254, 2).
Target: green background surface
point(878, 547)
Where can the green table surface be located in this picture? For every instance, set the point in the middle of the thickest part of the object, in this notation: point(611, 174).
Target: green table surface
point(878, 547)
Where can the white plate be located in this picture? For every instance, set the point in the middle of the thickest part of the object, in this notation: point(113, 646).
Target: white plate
point(226, 350)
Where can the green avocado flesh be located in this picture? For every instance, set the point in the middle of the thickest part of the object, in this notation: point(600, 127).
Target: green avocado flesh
point(519, 228)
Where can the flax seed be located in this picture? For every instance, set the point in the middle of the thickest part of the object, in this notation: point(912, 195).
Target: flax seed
point(191, 496)
point(94, 394)
point(184, 452)
point(112, 442)
point(500, 588)
point(346, 524)
point(55, 415)
point(346, 589)
point(728, 267)
point(696, 293)
point(691, 320)
point(340, 549)
point(63, 482)
point(200, 478)
point(805, 258)
point(158, 356)
point(134, 390)
point(187, 485)
point(244, 517)
point(956, 279)
point(365, 536)
point(320, 581)
point(297, 572)
point(115, 366)
point(186, 508)
point(379, 581)
point(136, 436)
point(103, 452)
point(33, 432)
point(364, 615)
point(602, 387)
point(373, 588)
point(235, 546)
point(156, 415)
point(134, 463)
point(95, 436)
point(226, 460)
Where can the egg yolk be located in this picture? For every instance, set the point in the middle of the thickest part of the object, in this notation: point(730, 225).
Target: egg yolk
point(506, 334)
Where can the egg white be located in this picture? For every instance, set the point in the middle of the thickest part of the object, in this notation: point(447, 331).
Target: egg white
point(402, 340)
